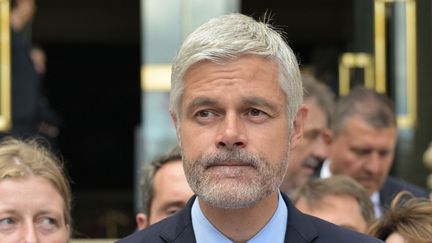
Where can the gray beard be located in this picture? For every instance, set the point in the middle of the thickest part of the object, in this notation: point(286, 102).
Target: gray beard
point(239, 192)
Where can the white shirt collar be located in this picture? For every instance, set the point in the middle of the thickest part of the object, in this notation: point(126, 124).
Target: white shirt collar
point(375, 198)
point(325, 169)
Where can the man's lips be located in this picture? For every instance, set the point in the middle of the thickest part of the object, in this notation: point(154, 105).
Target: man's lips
point(229, 163)
point(367, 181)
point(310, 166)
point(312, 163)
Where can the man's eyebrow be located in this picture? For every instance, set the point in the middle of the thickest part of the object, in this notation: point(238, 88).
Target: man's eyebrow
point(261, 102)
point(199, 102)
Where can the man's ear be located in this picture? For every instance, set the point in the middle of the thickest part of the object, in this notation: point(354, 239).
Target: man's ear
point(297, 132)
point(142, 221)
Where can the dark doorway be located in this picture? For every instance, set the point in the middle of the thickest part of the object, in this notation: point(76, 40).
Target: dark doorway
point(93, 82)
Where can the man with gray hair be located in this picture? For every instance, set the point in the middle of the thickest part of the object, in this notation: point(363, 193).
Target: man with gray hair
point(236, 103)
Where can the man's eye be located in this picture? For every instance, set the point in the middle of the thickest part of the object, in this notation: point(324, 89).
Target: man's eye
point(312, 134)
point(361, 152)
point(383, 153)
point(203, 113)
point(205, 116)
point(256, 115)
point(256, 112)
point(173, 210)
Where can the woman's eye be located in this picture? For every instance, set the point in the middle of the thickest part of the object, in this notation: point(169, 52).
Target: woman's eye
point(7, 224)
point(6, 221)
point(47, 223)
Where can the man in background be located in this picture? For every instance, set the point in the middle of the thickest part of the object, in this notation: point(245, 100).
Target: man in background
point(306, 159)
point(164, 189)
point(362, 146)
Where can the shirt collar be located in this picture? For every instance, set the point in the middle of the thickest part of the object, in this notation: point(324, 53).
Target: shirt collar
point(375, 197)
point(273, 231)
point(325, 169)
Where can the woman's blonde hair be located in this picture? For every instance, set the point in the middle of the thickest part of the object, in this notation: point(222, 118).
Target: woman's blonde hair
point(409, 216)
point(27, 158)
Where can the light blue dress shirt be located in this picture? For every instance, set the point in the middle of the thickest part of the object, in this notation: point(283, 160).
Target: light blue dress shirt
point(273, 231)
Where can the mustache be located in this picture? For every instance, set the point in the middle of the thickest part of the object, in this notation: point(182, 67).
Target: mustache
point(313, 162)
point(230, 157)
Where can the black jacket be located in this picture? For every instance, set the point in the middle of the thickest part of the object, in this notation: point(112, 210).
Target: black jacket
point(301, 228)
point(394, 185)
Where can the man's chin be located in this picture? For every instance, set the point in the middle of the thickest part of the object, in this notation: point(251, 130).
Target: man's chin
point(229, 199)
point(370, 187)
point(234, 193)
point(228, 183)
point(307, 171)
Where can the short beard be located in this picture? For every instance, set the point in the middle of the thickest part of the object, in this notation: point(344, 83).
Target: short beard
point(234, 194)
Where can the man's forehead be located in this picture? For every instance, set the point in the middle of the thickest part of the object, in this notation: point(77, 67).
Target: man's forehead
point(172, 164)
point(356, 124)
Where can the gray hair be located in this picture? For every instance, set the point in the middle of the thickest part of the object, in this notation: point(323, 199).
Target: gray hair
point(375, 109)
point(229, 37)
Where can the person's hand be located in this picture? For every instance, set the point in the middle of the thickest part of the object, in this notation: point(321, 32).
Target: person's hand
point(39, 59)
point(22, 13)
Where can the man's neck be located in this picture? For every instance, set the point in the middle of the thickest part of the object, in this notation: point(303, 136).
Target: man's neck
point(240, 225)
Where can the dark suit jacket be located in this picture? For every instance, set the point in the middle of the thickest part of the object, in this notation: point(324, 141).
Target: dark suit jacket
point(393, 185)
point(301, 228)
point(25, 88)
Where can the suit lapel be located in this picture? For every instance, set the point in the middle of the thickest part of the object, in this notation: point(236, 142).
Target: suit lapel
point(180, 227)
point(299, 228)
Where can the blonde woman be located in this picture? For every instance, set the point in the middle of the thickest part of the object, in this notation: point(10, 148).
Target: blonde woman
point(35, 196)
point(409, 220)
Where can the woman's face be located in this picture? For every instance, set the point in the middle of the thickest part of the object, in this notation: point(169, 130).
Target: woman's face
point(31, 210)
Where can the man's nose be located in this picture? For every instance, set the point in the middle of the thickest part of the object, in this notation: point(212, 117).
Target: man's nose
point(231, 133)
point(319, 148)
point(373, 164)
